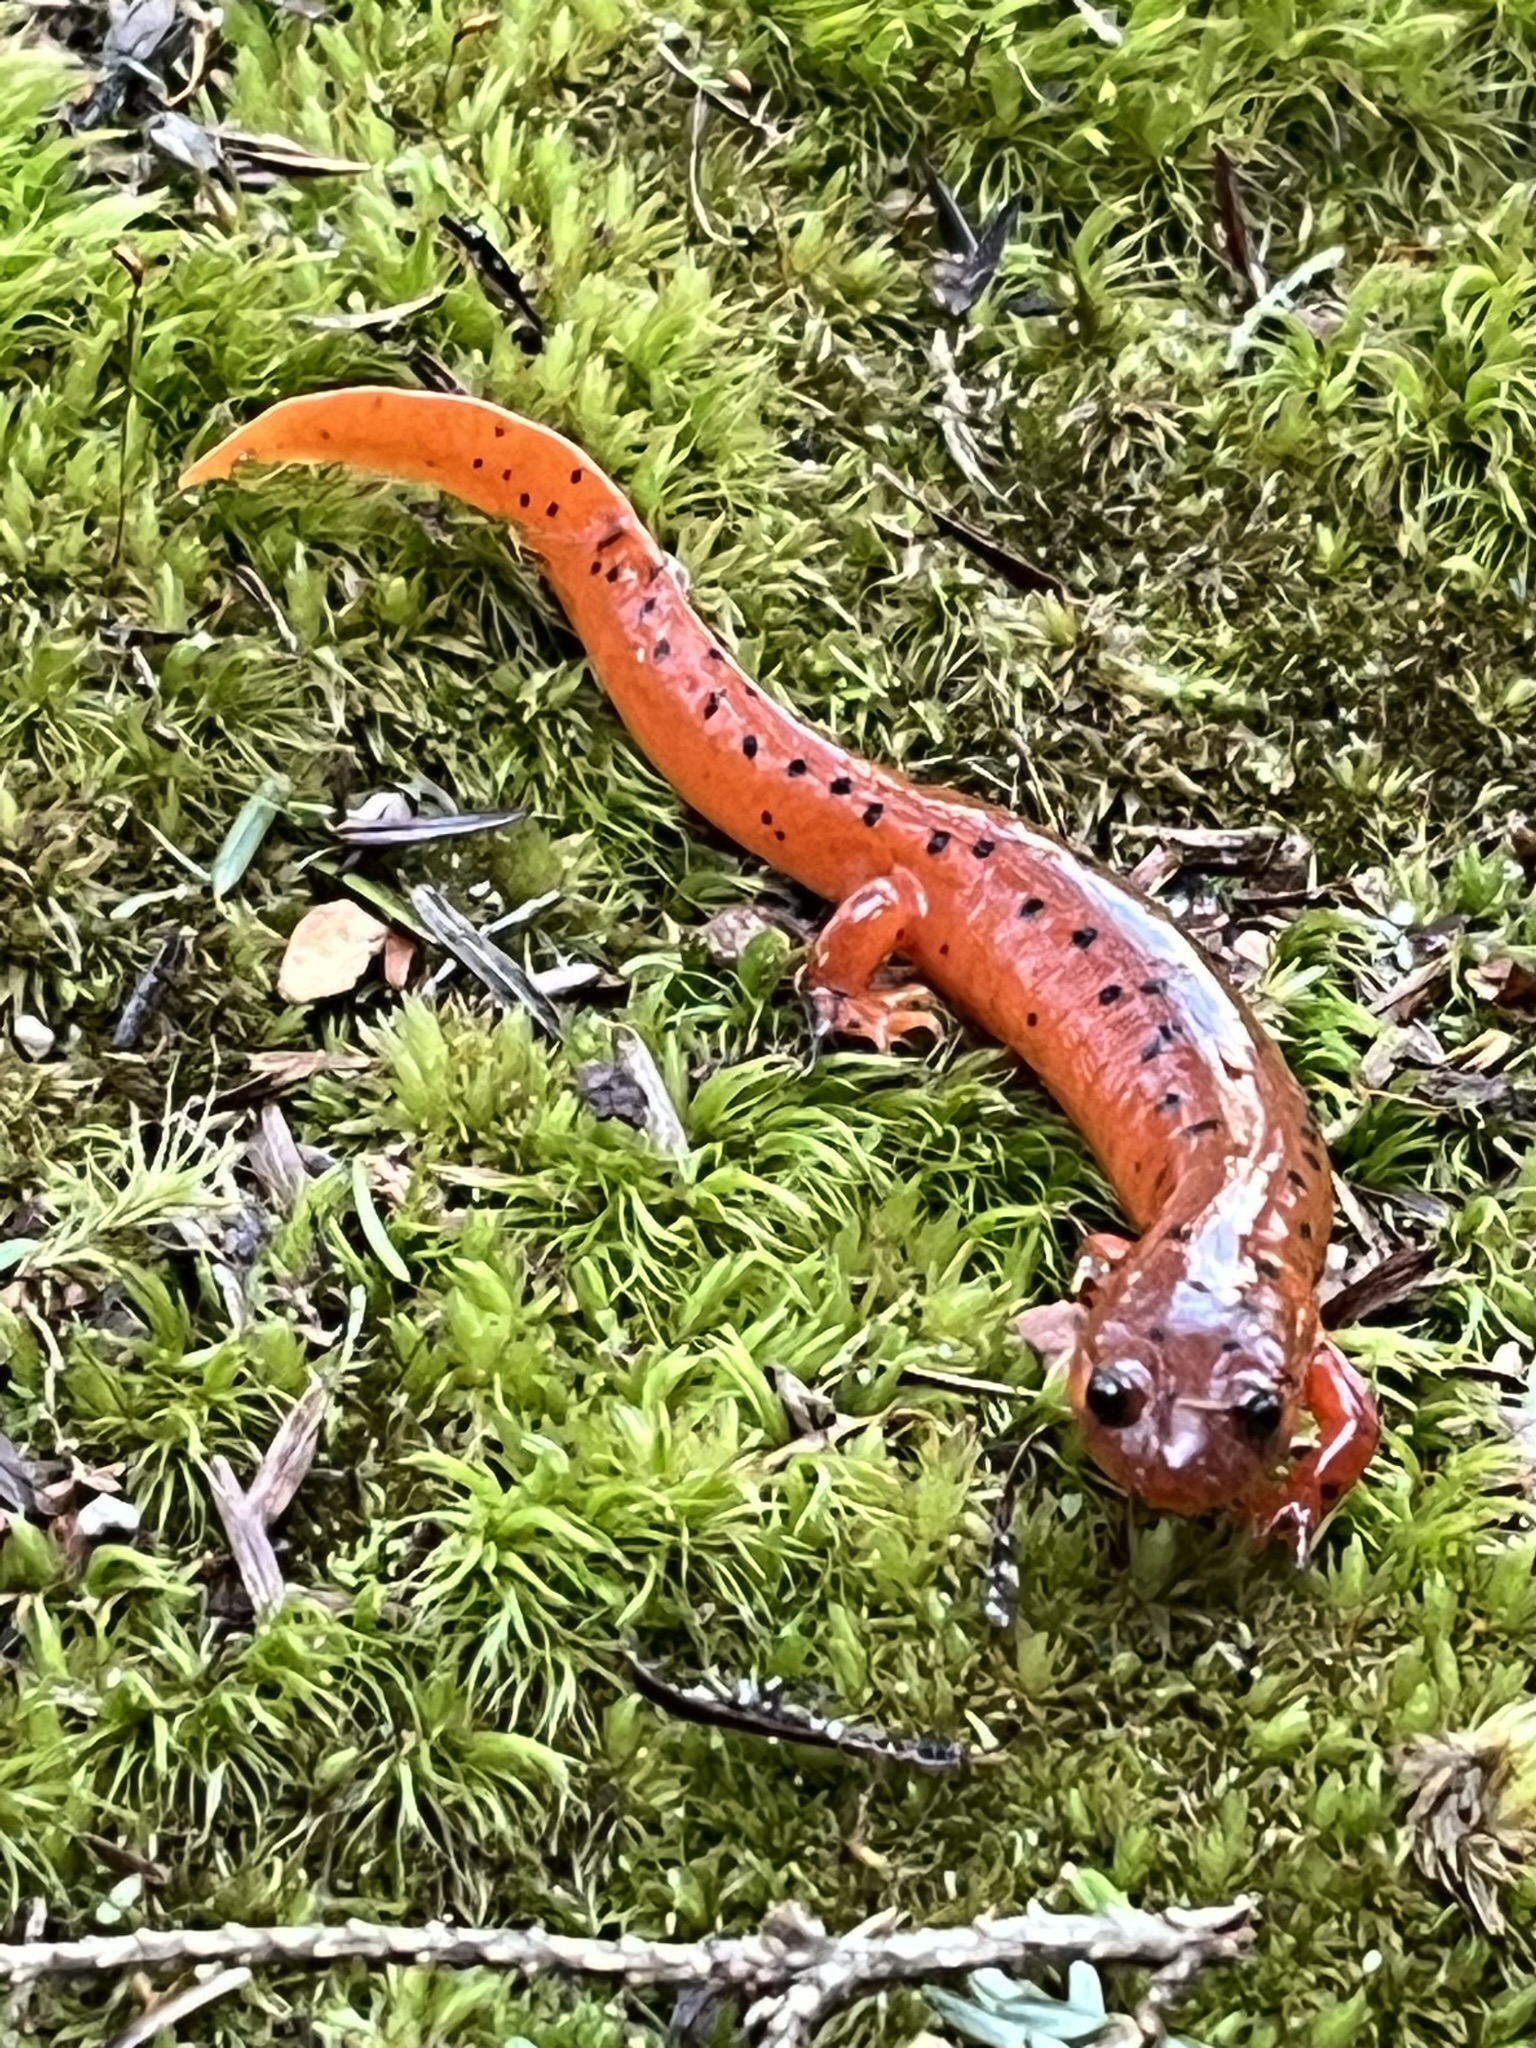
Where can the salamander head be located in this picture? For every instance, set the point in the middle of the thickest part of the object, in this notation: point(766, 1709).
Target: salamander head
point(1188, 1394)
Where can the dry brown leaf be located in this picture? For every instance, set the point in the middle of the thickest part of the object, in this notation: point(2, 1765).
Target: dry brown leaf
point(1470, 1824)
point(1384, 1056)
point(729, 932)
point(1480, 1055)
point(1412, 990)
point(329, 950)
point(477, 24)
point(1380, 1281)
point(1509, 983)
point(399, 954)
point(1050, 1328)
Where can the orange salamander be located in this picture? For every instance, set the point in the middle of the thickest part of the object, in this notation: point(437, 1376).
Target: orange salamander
point(1195, 1349)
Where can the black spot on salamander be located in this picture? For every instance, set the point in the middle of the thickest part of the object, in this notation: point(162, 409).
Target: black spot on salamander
point(840, 785)
point(661, 650)
point(1329, 1489)
point(325, 433)
point(648, 607)
point(749, 746)
point(767, 817)
point(1170, 1102)
point(944, 949)
point(937, 841)
point(1231, 1345)
point(551, 509)
point(1206, 1123)
point(655, 571)
point(575, 476)
point(608, 539)
point(713, 654)
point(525, 501)
point(796, 768)
point(1313, 1161)
point(1110, 994)
point(1268, 1268)
point(711, 703)
point(1153, 1050)
point(501, 433)
point(1155, 987)
point(613, 573)
point(874, 813)
point(1032, 906)
point(983, 847)
point(1305, 1230)
point(779, 836)
point(597, 568)
point(1297, 1180)
point(478, 463)
point(1084, 936)
point(506, 476)
point(1032, 1020)
point(1157, 1333)
point(1181, 1233)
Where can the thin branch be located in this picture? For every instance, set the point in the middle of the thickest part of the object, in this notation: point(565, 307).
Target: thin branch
point(179, 2005)
point(765, 131)
point(247, 1514)
point(792, 1971)
point(1278, 299)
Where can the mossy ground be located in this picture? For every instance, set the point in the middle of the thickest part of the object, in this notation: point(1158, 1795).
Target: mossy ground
point(1298, 592)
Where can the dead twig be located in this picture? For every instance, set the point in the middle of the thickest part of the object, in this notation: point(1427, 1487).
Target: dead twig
point(248, 1513)
point(737, 110)
point(1000, 1584)
point(750, 1707)
point(421, 827)
point(502, 285)
point(1013, 568)
point(372, 319)
point(166, 2012)
point(1399, 1277)
point(1240, 251)
point(511, 984)
point(792, 1974)
point(149, 992)
point(1278, 299)
point(698, 122)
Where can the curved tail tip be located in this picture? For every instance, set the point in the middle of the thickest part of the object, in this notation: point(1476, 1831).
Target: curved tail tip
point(209, 468)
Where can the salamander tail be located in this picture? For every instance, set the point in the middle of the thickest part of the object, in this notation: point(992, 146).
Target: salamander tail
point(509, 467)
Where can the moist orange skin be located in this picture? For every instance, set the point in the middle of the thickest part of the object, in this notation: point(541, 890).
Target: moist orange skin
point(1187, 1103)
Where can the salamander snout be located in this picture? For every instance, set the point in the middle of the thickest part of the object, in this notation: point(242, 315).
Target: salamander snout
point(1187, 1404)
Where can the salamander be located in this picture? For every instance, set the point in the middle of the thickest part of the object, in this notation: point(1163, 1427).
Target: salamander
point(1196, 1349)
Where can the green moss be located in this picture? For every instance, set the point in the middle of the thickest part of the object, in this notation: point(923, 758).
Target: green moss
point(1296, 590)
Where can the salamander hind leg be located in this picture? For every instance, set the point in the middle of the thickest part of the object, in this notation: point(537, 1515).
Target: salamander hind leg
point(1349, 1429)
point(856, 941)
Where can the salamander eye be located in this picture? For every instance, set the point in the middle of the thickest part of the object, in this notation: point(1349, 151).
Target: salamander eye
point(1115, 1395)
point(1259, 1414)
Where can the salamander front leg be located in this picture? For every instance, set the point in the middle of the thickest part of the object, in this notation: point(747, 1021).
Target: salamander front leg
point(1348, 1431)
point(859, 937)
